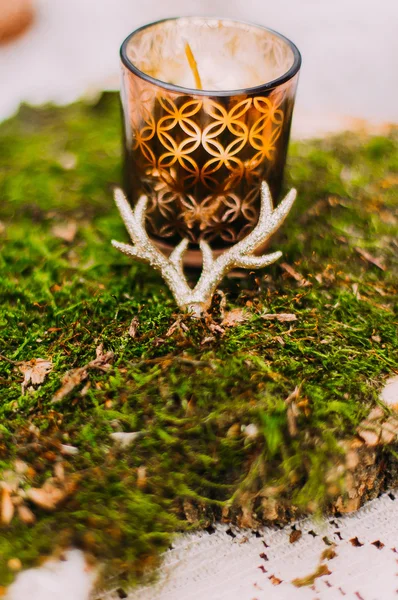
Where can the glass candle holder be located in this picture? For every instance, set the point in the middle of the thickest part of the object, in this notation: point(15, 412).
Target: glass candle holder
point(207, 106)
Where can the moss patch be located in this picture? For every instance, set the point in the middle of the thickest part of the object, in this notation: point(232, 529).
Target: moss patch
point(191, 390)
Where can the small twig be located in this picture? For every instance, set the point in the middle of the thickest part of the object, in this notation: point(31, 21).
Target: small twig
point(374, 261)
point(12, 362)
point(181, 359)
point(281, 317)
point(292, 411)
point(194, 363)
point(150, 361)
point(302, 281)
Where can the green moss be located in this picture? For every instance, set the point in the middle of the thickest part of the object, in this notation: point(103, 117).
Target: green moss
point(61, 300)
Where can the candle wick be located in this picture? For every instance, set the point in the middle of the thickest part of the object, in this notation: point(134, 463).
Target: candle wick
point(193, 66)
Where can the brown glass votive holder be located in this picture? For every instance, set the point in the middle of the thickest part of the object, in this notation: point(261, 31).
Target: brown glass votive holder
point(207, 107)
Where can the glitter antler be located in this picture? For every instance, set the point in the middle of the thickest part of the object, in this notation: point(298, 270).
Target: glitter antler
point(197, 300)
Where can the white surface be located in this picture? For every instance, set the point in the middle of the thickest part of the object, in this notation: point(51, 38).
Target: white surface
point(349, 48)
point(389, 393)
point(218, 567)
point(69, 579)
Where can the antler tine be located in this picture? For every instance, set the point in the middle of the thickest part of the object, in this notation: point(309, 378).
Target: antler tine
point(241, 255)
point(258, 262)
point(125, 248)
point(126, 211)
point(207, 256)
point(253, 240)
point(268, 222)
point(134, 221)
point(280, 213)
point(176, 256)
point(139, 212)
point(198, 299)
point(145, 249)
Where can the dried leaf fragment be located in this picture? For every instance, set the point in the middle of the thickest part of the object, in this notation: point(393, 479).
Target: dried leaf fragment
point(65, 231)
point(70, 380)
point(49, 495)
point(262, 569)
point(312, 533)
point(34, 371)
point(374, 261)
point(133, 327)
point(281, 317)
point(141, 477)
point(355, 289)
point(347, 505)
point(375, 430)
point(102, 359)
point(125, 438)
point(234, 431)
point(310, 579)
point(355, 542)
point(371, 436)
point(176, 326)
point(190, 511)
point(234, 317)
point(20, 466)
point(292, 411)
point(251, 431)
point(376, 414)
point(73, 378)
point(7, 506)
point(215, 328)
point(292, 414)
point(68, 449)
point(389, 431)
point(297, 276)
point(14, 564)
point(329, 553)
point(59, 471)
point(26, 515)
point(295, 535)
point(45, 498)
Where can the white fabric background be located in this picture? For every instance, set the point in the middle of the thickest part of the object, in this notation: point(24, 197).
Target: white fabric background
point(349, 48)
point(218, 567)
point(350, 70)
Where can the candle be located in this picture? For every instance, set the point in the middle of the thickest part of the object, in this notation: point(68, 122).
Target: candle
point(207, 106)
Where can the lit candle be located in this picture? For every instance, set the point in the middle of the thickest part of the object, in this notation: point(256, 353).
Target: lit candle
point(207, 107)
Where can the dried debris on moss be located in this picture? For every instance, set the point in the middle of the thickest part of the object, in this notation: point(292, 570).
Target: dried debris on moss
point(261, 412)
point(75, 377)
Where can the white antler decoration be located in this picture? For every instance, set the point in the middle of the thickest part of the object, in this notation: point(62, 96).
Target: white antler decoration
point(197, 300)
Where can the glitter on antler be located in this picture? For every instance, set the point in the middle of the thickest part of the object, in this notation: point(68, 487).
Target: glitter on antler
point(197, 300)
